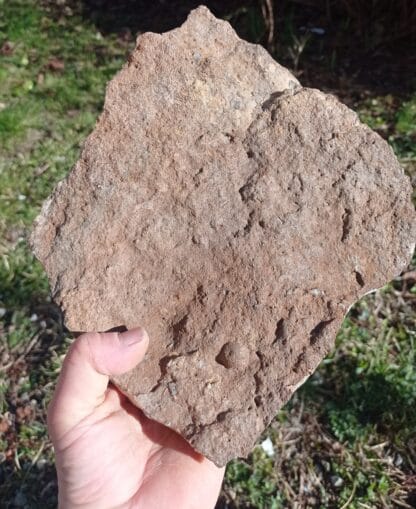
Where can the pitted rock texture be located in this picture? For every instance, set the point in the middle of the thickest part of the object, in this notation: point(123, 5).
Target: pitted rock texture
point(233, 214)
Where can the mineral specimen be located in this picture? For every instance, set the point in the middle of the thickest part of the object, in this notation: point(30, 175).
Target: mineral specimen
point(232, 213)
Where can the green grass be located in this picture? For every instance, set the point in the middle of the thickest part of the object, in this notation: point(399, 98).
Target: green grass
point(345, 434)
point(347, 438)
point(46, 111)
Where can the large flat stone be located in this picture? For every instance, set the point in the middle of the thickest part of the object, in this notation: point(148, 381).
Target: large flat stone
point(233, 214)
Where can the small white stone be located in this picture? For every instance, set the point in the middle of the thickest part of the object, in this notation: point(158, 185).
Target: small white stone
point(268, 447)
point(317, 30)
point(398, 460)
point(337, 481)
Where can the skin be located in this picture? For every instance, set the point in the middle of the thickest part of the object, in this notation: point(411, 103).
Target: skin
point(108, 454)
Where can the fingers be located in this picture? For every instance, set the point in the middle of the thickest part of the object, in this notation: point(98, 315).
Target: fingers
point(82, 384)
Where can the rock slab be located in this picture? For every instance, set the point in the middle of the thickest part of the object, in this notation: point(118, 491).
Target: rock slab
point(232, 213)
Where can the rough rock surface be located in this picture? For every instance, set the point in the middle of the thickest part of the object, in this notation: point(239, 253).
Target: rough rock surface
point(235, 215)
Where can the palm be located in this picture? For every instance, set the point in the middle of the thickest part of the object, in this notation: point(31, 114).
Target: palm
point(108, 454)
point(116, 457)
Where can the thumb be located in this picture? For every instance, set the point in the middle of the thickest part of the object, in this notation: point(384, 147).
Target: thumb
point(83, 381)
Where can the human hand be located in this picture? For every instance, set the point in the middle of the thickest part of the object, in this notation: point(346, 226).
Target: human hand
point(108, 454)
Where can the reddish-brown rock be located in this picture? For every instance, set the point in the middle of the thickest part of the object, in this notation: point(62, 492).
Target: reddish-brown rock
point(233, 214)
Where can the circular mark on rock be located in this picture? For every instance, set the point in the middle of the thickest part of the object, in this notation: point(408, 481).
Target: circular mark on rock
point(233, 355)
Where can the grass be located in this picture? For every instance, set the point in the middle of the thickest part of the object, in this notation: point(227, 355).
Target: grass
point(346, 439)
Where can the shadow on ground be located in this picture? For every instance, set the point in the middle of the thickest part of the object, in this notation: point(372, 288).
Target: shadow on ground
point(327, 44)
point(159, 16)
point(33, 485)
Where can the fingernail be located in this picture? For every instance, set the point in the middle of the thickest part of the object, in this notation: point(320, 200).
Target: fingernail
point(132, 336)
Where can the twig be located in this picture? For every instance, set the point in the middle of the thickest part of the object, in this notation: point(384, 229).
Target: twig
point(16, 460)
point(347, 503)
point(28, 348)
point(400, 503)
point(268, 15)
point(37, 455)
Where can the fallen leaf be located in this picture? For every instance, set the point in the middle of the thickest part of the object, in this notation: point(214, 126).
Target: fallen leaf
point(55, 64)
point(4, 426)
point(7, 49)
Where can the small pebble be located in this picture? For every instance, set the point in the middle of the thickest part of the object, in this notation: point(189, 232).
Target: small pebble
point(268, 447)
point(40, 464)
point(337, 481)
point(398, 460)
